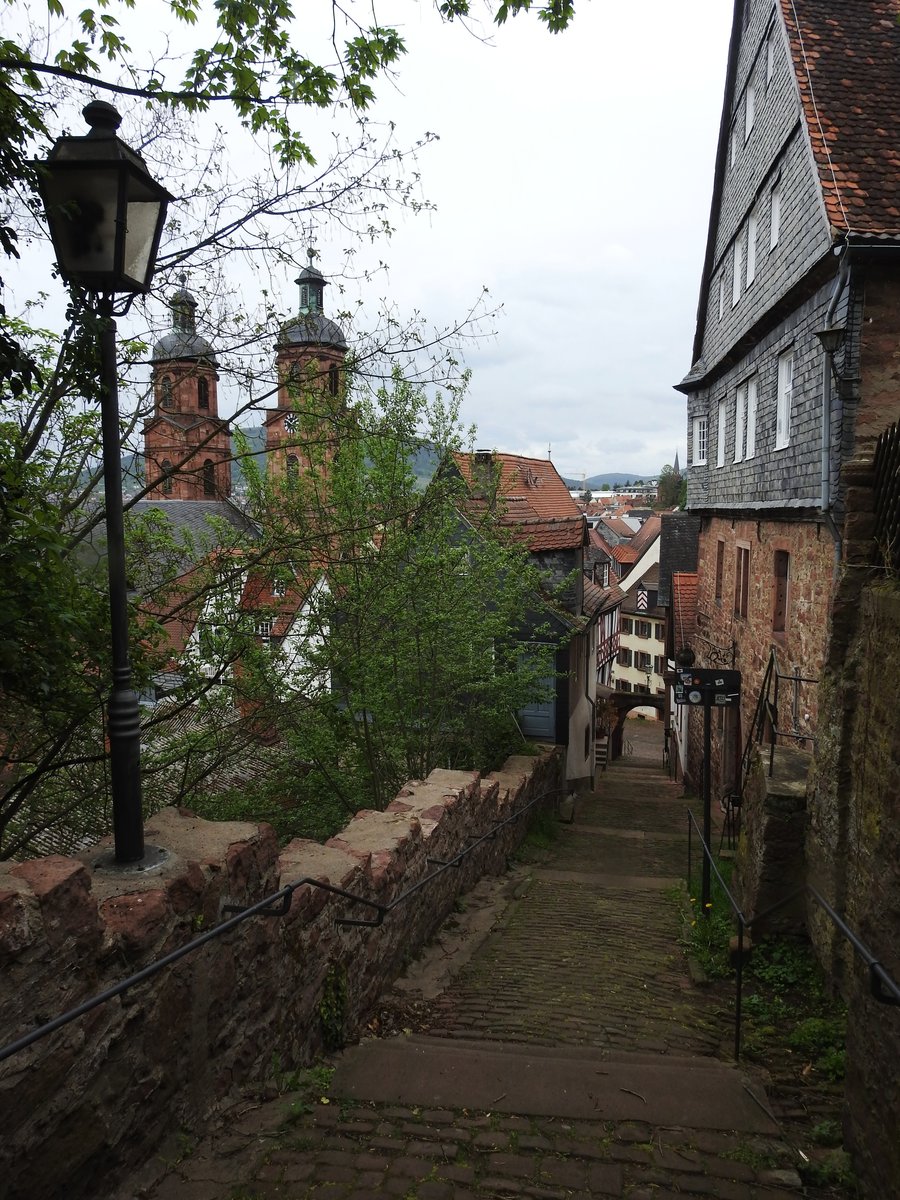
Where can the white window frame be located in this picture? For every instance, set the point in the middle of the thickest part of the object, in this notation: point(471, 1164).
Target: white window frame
point(749, 110)
point(700, 441)
point(733, 143)
point(738, 262)
point(750, 424)
point(721, 295)
point(740, 416)
point(264, 627)
point(775, 218)
point(751, 248)
point(784, 400)
point(721, 423)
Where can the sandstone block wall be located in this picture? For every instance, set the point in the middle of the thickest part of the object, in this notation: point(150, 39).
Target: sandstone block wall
point(93, 1099)
point(855, 859)
point(771, 860)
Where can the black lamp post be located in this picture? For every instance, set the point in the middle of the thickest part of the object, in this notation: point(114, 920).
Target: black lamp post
point(106, 216)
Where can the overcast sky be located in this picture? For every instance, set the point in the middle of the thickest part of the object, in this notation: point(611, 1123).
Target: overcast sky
point(573, 178)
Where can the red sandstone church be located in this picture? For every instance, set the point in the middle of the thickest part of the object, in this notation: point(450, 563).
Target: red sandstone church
point(188, 458)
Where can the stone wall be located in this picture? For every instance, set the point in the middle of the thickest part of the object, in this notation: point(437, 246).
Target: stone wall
point(720, 632)
point(770, 860)
point(94, 1099)
point(855, 860)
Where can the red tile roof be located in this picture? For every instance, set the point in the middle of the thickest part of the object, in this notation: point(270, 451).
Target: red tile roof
point(684, 608)
point(618, 526)
point(598, 541)
point(623, 553)
point(646, 535)
point(846, 56)
point(538, 504)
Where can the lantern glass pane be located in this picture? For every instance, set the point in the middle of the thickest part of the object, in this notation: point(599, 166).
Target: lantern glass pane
point(140, 235)
point(81, 208)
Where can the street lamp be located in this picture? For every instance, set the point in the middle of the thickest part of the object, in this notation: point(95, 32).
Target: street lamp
point(106, 215)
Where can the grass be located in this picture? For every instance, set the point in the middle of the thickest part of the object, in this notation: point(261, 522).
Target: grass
point(792, 1025)
point(706, 933)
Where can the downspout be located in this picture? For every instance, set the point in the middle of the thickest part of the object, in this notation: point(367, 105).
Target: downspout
point(827, 395)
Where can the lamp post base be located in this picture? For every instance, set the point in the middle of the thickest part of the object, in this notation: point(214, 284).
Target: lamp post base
point(154, 858)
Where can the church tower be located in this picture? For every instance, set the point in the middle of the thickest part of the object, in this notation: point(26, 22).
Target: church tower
point(310, 354)
point(187, 446)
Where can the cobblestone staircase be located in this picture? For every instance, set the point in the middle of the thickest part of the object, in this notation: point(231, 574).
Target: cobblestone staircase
point(570, 1057)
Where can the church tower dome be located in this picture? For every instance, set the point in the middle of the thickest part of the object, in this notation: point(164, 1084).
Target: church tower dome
point(309, 359)
point(187, 446)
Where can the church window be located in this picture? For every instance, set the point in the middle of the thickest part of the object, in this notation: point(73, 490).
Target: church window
point(333, 380)
point(293, 466)
point(167, 477)
point(209, 478)
point(304, 296)
point(202, 392)
point(166, 392)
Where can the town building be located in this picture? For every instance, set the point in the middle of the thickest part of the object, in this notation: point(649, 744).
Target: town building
point(542, 516)
point(793, 415)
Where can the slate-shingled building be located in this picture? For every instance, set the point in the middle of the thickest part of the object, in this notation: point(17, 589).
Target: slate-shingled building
point(804, 233)
point(805, 236)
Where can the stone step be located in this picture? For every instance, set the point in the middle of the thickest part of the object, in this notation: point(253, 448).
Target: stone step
point(575, 1083)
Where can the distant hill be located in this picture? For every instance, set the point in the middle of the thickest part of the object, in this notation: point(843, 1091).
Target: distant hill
point(614, 478)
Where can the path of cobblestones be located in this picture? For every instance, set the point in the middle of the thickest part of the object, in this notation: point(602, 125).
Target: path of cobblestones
point(585, 955)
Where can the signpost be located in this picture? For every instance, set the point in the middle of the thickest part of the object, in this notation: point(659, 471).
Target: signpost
point(712, 689)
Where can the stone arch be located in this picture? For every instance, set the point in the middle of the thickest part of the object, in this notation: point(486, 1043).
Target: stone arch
point(624, 702)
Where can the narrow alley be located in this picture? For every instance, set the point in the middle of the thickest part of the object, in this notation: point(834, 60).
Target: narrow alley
point(569, 1055)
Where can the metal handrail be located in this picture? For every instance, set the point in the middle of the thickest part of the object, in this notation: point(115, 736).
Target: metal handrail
point(277, 904)
point(767, 706)
point(882, 986)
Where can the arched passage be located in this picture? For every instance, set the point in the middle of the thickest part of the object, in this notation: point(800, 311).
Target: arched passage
point(624, 702)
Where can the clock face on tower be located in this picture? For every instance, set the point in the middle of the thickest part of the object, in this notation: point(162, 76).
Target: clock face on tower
point(291, 421)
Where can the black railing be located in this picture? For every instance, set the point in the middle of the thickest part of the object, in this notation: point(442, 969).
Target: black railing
point(277, 904)
point(881, 986)
point(766, 715)
point(887, 497)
